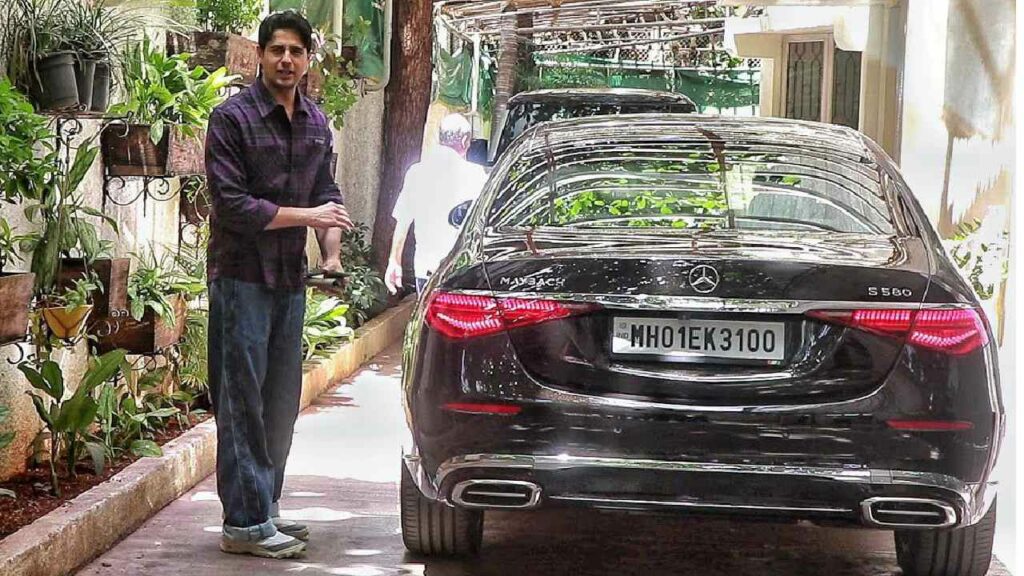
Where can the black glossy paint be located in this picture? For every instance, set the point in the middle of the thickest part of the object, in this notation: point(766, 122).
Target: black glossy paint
point(825, 405)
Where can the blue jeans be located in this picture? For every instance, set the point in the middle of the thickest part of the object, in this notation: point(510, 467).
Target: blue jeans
point(255, 361)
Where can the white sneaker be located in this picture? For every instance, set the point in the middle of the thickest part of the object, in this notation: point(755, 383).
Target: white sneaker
point(279, 545)
point(291, 528)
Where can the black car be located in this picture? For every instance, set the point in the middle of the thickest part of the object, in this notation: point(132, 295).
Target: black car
point(527, 109)
point(715, 315)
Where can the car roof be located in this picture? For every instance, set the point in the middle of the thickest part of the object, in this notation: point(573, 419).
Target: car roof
point(601, 95)
point(798, 133)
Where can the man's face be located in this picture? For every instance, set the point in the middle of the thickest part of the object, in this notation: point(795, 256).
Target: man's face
point(284, 60)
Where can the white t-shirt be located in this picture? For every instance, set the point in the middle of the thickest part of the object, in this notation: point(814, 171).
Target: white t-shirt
point(434, 187)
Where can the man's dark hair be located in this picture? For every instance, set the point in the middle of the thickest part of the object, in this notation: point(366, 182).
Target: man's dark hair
point(287, 20)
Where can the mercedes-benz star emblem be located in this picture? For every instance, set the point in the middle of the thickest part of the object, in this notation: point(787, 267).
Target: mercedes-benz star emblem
point(703, 279)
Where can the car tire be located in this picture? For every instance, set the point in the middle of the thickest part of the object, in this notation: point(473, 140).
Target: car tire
point(963, 551)
point(434, 528)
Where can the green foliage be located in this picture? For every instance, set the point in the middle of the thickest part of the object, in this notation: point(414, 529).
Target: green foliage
point(68, 420)
point(364, 290)
point(66, 229)
point(161, 91)
point(8, 244)
point(79, 294)
point(192, 362)
point(154, 283)
point(131, 411)
point(976, 258)
point(324, 324)
point(26, 149)
point(32, 29)
point(340, 90)
point(234, 16)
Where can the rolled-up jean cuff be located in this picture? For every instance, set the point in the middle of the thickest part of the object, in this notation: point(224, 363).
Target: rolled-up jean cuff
point(251, 533)
point(275, 510)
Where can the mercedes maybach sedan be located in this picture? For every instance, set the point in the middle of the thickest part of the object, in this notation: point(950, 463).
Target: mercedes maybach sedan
point(709, 315)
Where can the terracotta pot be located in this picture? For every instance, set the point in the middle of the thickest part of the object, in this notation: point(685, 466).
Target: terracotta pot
point(186, 156)
point(236, 53)
point(15, 303)
point(130, 152)
point(67, 323)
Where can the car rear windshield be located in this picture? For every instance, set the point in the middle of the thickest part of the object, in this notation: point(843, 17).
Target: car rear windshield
point(525, 115)
point(692, 184)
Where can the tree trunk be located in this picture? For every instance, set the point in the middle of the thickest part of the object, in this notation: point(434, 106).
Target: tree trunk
point(508, 58)
point(406, 101)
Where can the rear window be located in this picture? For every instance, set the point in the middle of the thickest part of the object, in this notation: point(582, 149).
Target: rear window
point(692, 184)
point(523, 116)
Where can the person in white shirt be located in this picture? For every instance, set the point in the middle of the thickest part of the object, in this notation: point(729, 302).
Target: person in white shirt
point(442, 184)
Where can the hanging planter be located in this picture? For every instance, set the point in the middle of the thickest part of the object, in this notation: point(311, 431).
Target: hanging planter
point(129, 151)
point(112, 274)
point(54, 86)
point(236, 53)
point(67, 322)
point(148, 336)
point(15, 303)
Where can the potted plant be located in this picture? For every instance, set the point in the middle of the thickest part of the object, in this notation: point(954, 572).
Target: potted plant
point(166, 107)
point(67, 310)
point(110, 276)
point(67, 229)
point(40, 59)
point(220, 42)
point(158, 295)
point(22, 132)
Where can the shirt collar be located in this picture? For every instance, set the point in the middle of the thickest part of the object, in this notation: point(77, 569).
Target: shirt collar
point(266, 103)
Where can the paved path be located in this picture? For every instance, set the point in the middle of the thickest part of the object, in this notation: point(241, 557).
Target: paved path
point(342, 480)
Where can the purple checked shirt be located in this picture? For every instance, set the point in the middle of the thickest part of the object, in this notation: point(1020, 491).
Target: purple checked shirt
point(256, 162)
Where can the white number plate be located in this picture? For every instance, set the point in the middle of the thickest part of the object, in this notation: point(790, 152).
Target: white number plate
point(696, 339)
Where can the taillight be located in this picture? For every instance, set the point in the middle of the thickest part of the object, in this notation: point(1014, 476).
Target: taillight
point(954, 331)
point(460, 316)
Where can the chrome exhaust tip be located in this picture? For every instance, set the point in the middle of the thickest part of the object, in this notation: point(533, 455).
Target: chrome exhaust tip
point(496, 494)
point(902, 513)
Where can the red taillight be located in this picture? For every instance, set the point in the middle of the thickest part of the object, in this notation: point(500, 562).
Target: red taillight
point(955, 331)
point(930, 425)
point(460, 316)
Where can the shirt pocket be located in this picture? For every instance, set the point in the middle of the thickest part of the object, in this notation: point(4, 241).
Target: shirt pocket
point(267, 169)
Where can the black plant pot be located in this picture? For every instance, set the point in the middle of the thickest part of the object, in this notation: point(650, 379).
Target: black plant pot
point(101, 87)
point(85, 72)
point(55, 88)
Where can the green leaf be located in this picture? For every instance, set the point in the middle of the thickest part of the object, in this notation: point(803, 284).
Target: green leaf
point(77, 413)
point(98, 455)
point(84, 159)
point(53, 374)
point(36, 379)
point(102, 370)
point(156, 132)
point(5, 439)
point(146, 448)
point(163, 413)
point(44, 415)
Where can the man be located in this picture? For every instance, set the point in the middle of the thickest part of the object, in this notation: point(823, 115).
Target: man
point(437, 192)
point(268, 165)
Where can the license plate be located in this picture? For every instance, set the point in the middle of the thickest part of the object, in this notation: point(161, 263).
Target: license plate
point(697, 339)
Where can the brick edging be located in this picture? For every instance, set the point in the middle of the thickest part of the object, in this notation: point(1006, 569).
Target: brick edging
point(82, 529)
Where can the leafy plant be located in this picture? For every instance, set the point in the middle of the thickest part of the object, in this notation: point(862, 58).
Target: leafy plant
point(340, 89)
point(363, 290)
point(982, 261)
point(68, 420)
point(154, 283)
point(162, 90)
point(191, 363)
point(26, 148)
point(33, 30)
point(234, 16)
point(8, 244)
point(66, 230)
point(80, 293)
point(323, 325)
point(131, 411)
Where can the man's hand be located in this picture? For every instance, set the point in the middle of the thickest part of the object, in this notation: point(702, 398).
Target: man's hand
point(329, 215)
point(333, 266)
point(393, 277)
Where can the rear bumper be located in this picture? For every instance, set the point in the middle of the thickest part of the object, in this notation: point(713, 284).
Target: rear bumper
point(827, 495)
